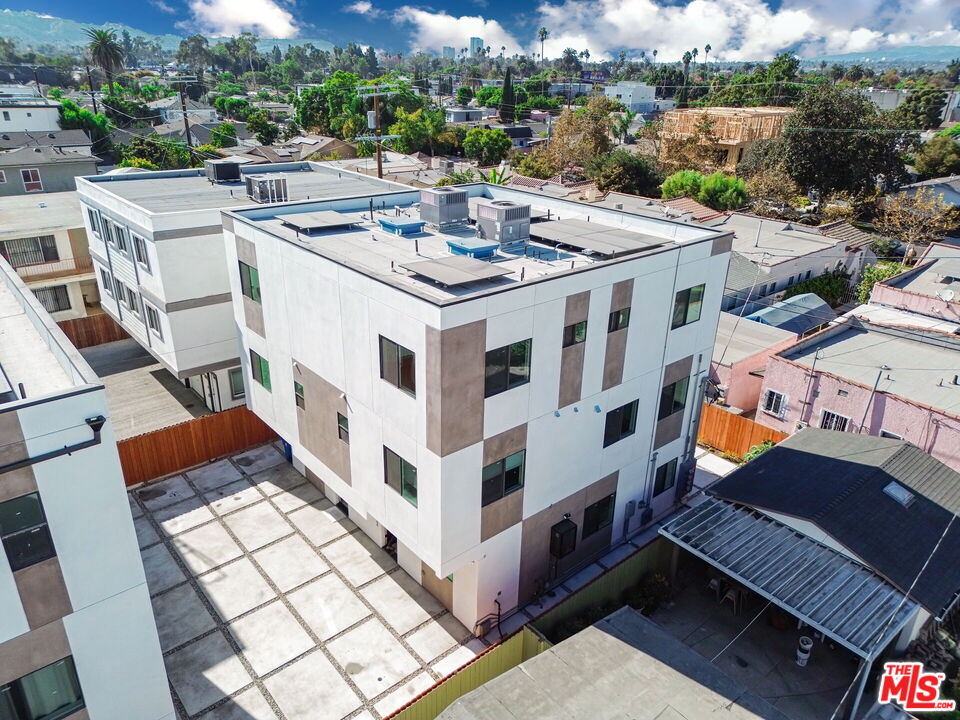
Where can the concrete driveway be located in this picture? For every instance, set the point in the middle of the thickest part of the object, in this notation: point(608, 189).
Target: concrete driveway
point(271, 604)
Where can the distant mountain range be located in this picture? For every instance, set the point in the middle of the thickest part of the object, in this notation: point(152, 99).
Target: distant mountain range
point(907, 53)
point(44, 33)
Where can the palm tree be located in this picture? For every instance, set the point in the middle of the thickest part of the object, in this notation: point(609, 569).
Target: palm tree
point(706, 53)
point(687, 57)
point(585, 54)
point(105, 52)
point(694, 54)
point(503, 49)
point(643, 56)
point(655, 56)
point(542, 35)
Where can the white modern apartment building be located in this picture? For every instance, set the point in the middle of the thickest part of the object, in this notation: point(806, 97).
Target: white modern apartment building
point(635, 96)
point(77, 634)
point(25, 113)
point(499, 401)
point(157, 248)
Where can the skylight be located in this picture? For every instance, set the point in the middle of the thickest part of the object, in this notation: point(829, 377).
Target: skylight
point(899, 493)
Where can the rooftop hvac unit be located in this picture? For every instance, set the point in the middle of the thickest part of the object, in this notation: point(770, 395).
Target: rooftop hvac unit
point(504, 221)
point(222, 170)
point(267, 188)
point(443, 206)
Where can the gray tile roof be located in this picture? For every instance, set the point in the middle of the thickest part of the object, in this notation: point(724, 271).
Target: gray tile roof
point(836, 480)
point(57, 138)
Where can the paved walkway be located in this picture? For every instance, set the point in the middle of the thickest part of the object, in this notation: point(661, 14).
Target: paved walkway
point(271, 604)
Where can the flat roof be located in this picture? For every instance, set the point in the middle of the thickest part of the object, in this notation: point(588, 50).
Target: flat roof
point(739, 338)
point(390, 258)
point(939, 277)
point(33, 350)
point(31, 215)
point(883, 315)
point(769, 242)
point(624, 666)
point(920, 363)
point(189, 190)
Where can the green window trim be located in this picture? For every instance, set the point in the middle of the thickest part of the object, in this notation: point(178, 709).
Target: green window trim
point(260, 369)
point(400, 475)
point(250, 281)
point(343, 428)
point(298, 395)
point(687, 306)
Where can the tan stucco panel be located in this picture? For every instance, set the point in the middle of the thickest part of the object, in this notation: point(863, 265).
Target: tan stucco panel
point(32, 651)
point(622, 295)
point(317, 421)
point(500, 515)
point(43, 592)
point(577, 308)
point(12, 449)
point(455, 386)
point(253, 316)
point(246, 251)
point(613, 358)
point(571, 374)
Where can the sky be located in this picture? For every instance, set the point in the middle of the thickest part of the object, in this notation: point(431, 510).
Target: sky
point(736, 29)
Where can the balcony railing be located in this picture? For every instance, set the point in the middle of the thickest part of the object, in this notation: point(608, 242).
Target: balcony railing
point(56, 268)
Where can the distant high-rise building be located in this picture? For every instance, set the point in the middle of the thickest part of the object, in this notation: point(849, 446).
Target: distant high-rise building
point(476, 46)
point(449, 52)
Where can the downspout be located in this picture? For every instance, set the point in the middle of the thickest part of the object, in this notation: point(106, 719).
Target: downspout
point(870, 399)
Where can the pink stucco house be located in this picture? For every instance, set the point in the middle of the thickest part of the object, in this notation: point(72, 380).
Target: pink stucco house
point(930, 288)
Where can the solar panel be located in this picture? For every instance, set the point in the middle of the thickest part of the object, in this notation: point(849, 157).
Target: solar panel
point(319, 220)
point(456, 270)
point(593, 236)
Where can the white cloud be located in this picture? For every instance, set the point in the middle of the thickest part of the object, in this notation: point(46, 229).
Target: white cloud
point(267, 18)
point(363, 7)
point(163, 7)
point(433, 30)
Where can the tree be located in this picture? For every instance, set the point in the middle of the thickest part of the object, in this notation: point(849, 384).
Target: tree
point(580, 135)
point(542, 35)
point(536, 164)
point(74, 117)
point(922, 108)
point(621, 125)
point(224, 135)
point(623, 171)
point(837, 141)
point(938, 158)
point(259, 124)
point(706, 54)
point(194, 52)
point(495, 177)
point(464, 95)
point(682, 100)
point(722, 192)
point(488, 147)
point(697, 151)
point(872, 274)
point(771, 186)
point(685, 183)
point(137, 162)
point(163, 153)
point(105, 51)
point(917, 218)
point(508, 98)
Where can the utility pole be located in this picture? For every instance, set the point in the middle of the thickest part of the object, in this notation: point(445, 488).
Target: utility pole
point(181, 81)
point(36, 79)
point(374, 121)
point(93, 92)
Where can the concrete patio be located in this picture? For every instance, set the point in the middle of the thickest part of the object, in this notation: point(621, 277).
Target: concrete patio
point(271, 604)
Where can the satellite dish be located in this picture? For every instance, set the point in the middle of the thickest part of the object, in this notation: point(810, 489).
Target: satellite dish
point(947, 295)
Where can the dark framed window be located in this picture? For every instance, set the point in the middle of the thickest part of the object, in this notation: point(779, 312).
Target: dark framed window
point(30, 251)
point(24, 532)
point(398, 366)
point(507, 367)
point(621, 423)
point(260, 369)
point(107, 282)
point(665, 477)
point(140, 252)
point(120, 236)
point(597, 516)
point(619, 319)
point(687, 306)
point(31, 180)
point(575, 334)
point(94, 221)
point(54, 299)
point(298, 395)
point(400, 475)
point(503, 477)
point(50, 693)
point(250, 281)
point(132, 301)
point(153, 322)
point(673, 398)
point(343, 428)
point(237, 389)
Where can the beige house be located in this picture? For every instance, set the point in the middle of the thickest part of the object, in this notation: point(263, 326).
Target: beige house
point(733, 129)
point(44, 239)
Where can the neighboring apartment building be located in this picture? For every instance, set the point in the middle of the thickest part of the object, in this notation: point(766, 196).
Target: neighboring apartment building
point(500, 407)
point(25, 113)
point(170, 110)
point(45, 241)
point(947, 187)
point(734, 129)
point(69, 140)
point(157, 249)
point(77, 634)
point(771, 255)
point(635, 96)
point(29, 170)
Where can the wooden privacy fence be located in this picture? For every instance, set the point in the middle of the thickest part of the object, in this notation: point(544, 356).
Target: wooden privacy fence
point(92, 330)
point(171, 449)
point(733, 433)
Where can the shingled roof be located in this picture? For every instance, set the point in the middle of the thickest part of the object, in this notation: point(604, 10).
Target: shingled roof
point(842, 482)
point(852, 235)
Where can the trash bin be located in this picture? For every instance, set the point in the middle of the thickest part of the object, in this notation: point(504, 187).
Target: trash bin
point(803, 651)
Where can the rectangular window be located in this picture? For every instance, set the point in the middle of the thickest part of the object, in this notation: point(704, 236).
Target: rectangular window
point(120, 237)
point(54, 299)
point(619, 319)
point(3, 177)
point(687, 306)
point(398, 366)
point(132, 301)
point(107, 283)
point(762, 291)
point(140, 252)
point(6, 115)
point(30, 251)
point(237, 390)
point(790, 281)
point(807, 276)
point(665, 478)
point(94, 221)
point(621, 423)
point(31, 180)
point(832, 421)
point(260, 369)
point(343, 428)
point(673, 398)
point(119, 290)
point(400, 475)
point(24, 532)
point(153, 320)
point(507, 367)
point(597, 516)
point(298, 395)
point(502, 477)
point(250, 281)
point(773, 403)
point(575, 334)
point(50, 693)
